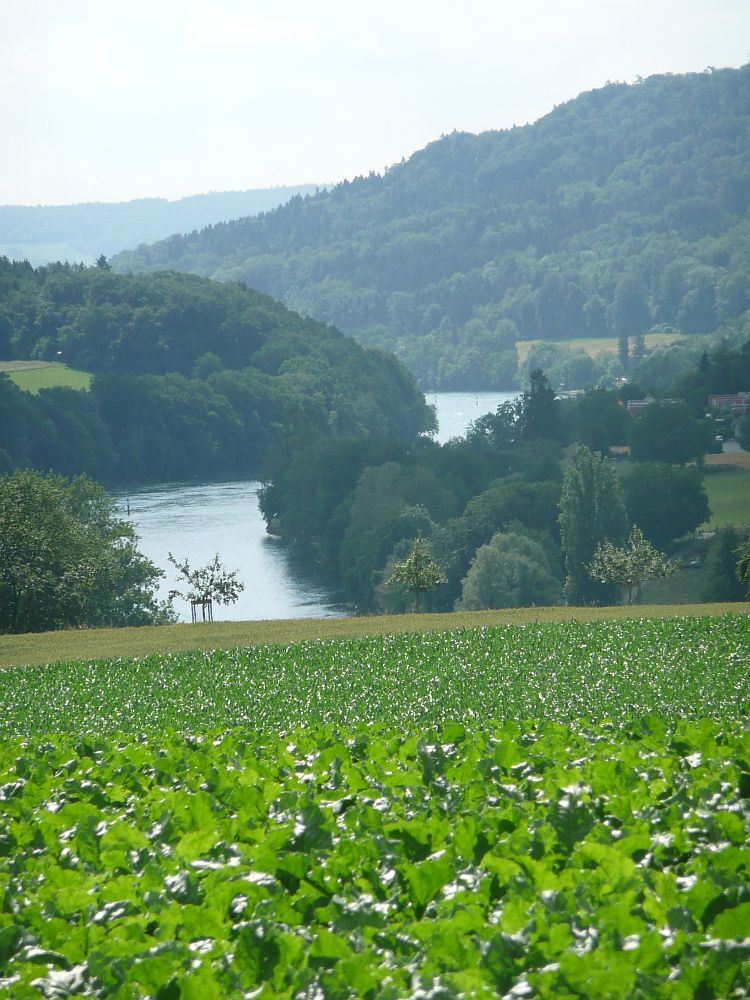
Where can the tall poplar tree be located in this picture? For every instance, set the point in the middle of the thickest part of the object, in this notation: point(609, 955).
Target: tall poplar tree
point(592, 511)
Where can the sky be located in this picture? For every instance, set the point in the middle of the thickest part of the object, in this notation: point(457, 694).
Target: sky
point(109, 101)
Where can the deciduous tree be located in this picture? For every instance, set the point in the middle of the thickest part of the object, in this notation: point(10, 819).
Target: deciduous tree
point(743, 565)
point(724, 582)
point(668, 432)
point(665, 501)
point(630, 565)
point(207, 584)
point(419, 572)
point(66, 560)
point(511, 571)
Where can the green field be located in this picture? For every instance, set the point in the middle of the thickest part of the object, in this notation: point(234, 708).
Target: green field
point(616, 669)
point(35, 375)
point(508, 860)
point(549, 810)
point(728, 491)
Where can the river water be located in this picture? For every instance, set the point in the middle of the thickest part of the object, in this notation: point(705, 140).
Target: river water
point(195, 521)
point(456, 410)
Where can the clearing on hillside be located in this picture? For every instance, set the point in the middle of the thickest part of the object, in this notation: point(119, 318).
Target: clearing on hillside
point(594, 345)
point(35, 375)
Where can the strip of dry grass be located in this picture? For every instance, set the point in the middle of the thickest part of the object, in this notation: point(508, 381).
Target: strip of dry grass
point(91, 644)
point(595, 345)
point(740, 459)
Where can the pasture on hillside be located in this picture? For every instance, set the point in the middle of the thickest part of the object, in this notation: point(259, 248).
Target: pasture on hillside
point(593, 346)
point(728, 488)
point(554, 809)
point(35, 375)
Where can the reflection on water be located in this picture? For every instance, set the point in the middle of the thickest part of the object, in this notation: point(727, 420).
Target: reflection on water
point(456, 410)
point(196, 521)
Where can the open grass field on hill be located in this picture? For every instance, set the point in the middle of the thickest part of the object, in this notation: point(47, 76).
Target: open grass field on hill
point(728, 490)
point(35, 375)
point(595, 345)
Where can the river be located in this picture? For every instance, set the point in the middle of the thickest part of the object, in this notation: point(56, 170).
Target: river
point(197, 520)
point(456, 410)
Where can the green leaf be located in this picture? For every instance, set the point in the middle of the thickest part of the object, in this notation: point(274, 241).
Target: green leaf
point(733, 923)
point(427, 878)
point(256, 952)
point(11, 939)
point(329, 948)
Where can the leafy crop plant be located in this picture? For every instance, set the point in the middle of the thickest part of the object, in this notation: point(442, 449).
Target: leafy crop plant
point(455, 861)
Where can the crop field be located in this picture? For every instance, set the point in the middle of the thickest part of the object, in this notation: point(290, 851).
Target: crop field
point(609, 670)
point(551, 810)
point(125, 643)
point(35, 375)
point(596, 345)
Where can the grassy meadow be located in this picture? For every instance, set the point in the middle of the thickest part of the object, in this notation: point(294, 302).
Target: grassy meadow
point(595, 345)
point(32, 376)
point(727, 484)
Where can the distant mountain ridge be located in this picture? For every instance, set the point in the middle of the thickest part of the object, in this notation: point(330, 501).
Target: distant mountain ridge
point(623, 209)
point(45, 233)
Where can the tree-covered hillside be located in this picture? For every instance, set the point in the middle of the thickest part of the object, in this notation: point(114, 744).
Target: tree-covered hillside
point(623, 209)
point(44, 233)
point(193, 377)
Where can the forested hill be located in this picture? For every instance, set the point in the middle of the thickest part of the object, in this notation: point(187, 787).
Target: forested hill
point(44, 233)
point(622, 209)
point(193, 377)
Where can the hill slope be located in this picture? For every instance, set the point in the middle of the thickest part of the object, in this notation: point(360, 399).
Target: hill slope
point(624, 208)
point(44, 233)
point(192, 377)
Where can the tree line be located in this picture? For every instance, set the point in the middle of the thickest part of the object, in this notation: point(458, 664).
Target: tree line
point(508, 522)
point(500, 505)
point(623, 210)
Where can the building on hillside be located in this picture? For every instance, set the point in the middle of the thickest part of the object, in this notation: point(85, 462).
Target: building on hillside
point(737, 403)
point(634, 406)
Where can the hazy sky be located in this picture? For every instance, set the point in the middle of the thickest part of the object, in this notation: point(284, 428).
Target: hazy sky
point(106, 101)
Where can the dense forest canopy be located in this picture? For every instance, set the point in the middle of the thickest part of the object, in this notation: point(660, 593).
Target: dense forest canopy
point(192, 377)
point(80, 233)
point(624, 209)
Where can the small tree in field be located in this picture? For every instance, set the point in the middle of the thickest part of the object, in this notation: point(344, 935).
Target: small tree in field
point(419, 572)
point(206, 584)
point(629, 566)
